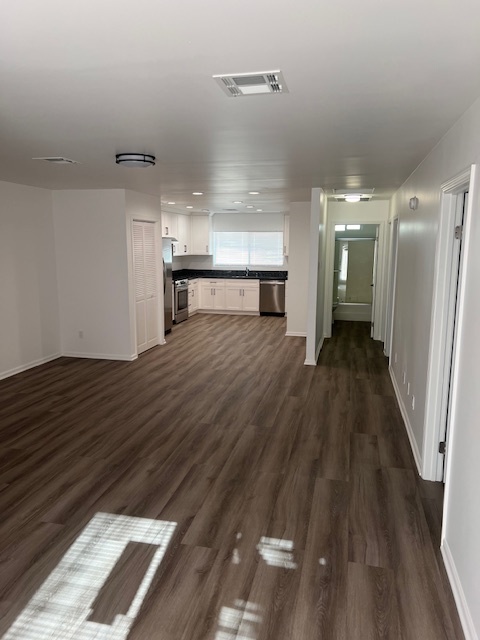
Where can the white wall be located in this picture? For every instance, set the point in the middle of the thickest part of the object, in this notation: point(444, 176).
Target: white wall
point(140, 206)
point(374, 212)
point(92, 271)
point(28, 284)
point(316, 287)
point(298, 268)
point(411, 334)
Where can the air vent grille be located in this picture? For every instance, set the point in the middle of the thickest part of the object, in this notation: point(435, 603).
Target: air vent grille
point(251, 84)
point(57, 160)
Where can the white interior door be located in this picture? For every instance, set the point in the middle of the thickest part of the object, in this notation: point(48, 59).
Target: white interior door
point(146, 286)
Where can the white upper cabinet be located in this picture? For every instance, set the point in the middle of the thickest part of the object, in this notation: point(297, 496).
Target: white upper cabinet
point(286, 234)
point(201, 227)
point(183, 236)
point(169, 225)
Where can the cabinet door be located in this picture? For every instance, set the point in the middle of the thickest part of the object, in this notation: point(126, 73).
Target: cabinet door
point(194, 297)
point(286, 234)
point(169, 225)
point(207, 298)
point(183, 235)
point(233, 298)
point(201, 235)
point(219, 296)
point(251, 299)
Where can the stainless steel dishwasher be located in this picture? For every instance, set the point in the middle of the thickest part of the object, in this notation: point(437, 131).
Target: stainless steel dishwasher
point(272, 297)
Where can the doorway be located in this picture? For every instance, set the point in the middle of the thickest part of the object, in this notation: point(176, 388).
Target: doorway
point(354, 272)
point(446, 323)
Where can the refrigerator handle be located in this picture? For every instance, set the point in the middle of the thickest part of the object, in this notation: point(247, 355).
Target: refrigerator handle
point(164, 276)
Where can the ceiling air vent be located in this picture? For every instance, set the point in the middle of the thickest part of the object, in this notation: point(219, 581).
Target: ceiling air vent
point(251, 84)
point(353, 195)
point(57, 160)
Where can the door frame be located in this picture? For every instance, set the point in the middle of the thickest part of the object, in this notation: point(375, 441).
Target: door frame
point(356, 217)
point(437, 391)
point(391, 287)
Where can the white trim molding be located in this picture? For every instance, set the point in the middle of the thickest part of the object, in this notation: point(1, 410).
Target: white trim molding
point(296, 334)
point(408, 426)
point(436, 393)
point(30, 365)
point(101, 356)
point(458, 593)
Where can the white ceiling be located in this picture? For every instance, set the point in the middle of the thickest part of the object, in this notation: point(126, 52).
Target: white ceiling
point(373, 86)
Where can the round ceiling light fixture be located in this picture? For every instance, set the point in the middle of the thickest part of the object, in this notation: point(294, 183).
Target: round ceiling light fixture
point(352, 198)
point(135, 159)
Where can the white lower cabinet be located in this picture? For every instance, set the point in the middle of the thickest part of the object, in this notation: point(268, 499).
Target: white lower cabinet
point(231, 296)
point(212, 294)
point(242, 295)
point(193, 297)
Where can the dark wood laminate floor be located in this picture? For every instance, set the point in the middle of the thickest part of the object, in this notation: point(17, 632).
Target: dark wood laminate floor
point(287, 494)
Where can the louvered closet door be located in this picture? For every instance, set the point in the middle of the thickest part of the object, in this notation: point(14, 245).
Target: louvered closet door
point(146, 293)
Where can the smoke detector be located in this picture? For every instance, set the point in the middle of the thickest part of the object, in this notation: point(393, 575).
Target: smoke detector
point(57, 160)
point(353, 195)
point(236, 85)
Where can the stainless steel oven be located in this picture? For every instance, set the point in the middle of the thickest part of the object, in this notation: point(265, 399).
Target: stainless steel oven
point(181, 300)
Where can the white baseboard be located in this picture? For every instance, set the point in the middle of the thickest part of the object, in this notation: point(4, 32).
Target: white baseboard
point(296, 334)
point(408, 426)
point(30, 365)
point(458, 593)
point(100, 356)
point(225, 312)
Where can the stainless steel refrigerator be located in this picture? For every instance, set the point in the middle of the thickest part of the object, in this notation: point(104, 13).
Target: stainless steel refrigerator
point(167, 282)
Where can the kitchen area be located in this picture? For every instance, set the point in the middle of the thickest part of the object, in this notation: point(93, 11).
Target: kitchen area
point(213, 264)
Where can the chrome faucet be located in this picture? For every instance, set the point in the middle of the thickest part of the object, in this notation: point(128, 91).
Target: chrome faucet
point(246, 271)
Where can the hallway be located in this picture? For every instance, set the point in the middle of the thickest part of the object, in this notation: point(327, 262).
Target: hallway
point(281, 501)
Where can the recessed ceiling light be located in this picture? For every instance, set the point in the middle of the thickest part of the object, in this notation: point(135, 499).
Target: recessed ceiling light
point(189, 206)
point(250, 206)
point(254, 193)
point(259, 209)
point(171, 203)
point(238, 202)
point(135, 159)
point(352, 198)
point(353, 227)
point(197, 193)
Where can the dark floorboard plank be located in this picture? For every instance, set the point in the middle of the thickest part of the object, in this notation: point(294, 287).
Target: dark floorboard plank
point(372, 604)
point(364, 451)
point(321, 607)
point(370, 530)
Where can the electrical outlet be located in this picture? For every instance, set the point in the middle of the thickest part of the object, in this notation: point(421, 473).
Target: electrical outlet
point(80, 334)
point(413, 403)
point(408, 389)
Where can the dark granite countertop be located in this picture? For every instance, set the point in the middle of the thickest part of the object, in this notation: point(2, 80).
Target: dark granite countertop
point(230, 273)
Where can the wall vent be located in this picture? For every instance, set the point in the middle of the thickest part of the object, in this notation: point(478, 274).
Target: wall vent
point(236, 85)
point(57, 160)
